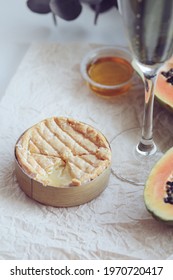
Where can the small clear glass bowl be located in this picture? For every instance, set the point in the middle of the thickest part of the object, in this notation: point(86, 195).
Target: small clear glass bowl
point(123, 80)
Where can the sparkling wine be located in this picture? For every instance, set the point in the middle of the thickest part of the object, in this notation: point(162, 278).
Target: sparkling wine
point(149, 26)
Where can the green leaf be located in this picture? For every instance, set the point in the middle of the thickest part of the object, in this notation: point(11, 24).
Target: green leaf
point(39, 6)
point(66, 9)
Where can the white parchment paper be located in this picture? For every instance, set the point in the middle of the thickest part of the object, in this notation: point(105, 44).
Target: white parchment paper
point(116, 225)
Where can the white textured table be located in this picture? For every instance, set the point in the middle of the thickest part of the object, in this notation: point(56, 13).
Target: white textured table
point(115, 225)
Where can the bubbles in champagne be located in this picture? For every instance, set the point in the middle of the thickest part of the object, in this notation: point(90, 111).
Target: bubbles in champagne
point(149, 25)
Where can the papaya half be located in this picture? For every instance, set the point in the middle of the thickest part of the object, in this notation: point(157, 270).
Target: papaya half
point(164, 85)
point(158, 191)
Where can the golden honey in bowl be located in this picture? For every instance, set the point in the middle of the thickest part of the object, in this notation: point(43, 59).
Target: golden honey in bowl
point(110, 75)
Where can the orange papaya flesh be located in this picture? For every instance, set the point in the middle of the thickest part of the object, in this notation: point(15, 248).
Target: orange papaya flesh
point(164, 85)
point(156, 195)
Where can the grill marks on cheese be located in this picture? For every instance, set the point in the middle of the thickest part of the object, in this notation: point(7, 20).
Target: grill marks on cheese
point(73, 149)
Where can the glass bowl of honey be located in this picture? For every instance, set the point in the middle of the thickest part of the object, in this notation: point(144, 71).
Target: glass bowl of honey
point(108, 70)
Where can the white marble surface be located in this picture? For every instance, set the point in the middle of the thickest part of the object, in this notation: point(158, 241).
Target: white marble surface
point(19, 27)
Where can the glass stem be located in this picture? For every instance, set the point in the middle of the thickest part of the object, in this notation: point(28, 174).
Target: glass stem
point(146, 145)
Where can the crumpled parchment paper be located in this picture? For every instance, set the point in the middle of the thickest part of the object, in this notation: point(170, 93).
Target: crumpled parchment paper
point(116, 225)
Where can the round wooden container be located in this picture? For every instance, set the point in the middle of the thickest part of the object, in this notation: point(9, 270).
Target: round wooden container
point(60, 196)
point(65, 196)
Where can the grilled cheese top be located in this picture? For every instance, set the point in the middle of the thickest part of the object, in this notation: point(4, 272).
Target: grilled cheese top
point(61, 151)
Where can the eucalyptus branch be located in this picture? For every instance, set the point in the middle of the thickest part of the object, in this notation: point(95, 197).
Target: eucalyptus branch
point(69, 9)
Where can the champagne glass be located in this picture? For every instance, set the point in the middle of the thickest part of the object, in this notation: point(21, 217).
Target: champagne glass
point(149, 27)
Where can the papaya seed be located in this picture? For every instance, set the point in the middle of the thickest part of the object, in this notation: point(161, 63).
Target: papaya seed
point(168, 75)
point(169, 192)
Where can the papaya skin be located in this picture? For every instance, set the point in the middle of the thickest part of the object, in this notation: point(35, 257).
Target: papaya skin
point(154, 190)
point(163, 89)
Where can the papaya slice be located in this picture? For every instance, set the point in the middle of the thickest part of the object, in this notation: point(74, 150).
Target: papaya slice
point(164, 85)
point(158, 191)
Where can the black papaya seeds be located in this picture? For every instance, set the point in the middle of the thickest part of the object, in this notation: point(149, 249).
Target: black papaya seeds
point(169, 192)
point(168, 75)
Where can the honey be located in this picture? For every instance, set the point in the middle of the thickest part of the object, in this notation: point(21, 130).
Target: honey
point(111, 75)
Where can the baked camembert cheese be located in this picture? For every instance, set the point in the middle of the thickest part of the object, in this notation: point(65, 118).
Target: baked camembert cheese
point(61, 151)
